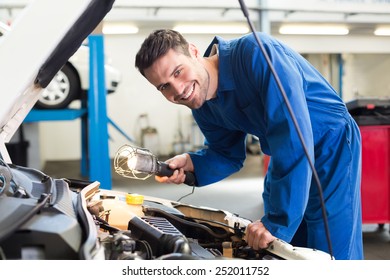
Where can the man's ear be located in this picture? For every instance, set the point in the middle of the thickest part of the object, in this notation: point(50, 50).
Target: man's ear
point(194, 51)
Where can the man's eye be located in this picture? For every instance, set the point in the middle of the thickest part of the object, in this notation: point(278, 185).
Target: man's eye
point(163, 87)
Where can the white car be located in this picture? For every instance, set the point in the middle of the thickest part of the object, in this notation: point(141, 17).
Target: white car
point(72, 81)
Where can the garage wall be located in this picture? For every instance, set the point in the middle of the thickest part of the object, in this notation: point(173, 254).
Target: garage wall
point(366, 75)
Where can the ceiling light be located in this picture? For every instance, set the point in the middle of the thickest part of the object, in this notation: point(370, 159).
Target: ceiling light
point(115, 28)
point(382, 31)
point(212, 29)
point(313, 30)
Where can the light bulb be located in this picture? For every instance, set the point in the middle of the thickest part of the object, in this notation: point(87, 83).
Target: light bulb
point(132, 164)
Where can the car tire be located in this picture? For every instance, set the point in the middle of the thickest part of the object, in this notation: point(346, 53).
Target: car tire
point(62, 90)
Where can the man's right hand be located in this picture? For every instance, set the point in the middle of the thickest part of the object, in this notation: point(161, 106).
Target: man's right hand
point(179, 163)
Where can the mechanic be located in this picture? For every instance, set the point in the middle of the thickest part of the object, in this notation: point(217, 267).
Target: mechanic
point(232, 93)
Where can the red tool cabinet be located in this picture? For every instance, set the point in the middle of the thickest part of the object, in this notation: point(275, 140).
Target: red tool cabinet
point(375, 173)
point(373, 117)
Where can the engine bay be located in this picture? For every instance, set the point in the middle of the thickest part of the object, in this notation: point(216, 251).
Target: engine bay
point(160, 229)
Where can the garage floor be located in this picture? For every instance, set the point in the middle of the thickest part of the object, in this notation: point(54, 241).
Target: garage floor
point(240, 194)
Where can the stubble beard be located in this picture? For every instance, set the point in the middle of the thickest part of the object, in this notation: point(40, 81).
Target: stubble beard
point(203, 91)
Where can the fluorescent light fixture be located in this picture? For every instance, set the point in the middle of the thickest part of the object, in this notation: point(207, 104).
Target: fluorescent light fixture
point(119, 28)
point(382, 31)
point(212, 28)
point(300, 29)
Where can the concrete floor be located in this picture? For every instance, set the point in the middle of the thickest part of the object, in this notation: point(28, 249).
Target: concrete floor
point(239, 194)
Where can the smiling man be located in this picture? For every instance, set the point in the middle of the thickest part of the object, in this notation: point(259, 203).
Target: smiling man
point(232, 93)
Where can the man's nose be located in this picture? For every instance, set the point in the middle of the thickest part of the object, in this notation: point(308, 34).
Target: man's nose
point(177, 90)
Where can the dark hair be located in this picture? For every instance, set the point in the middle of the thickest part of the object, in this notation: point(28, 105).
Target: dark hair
point(157, 44)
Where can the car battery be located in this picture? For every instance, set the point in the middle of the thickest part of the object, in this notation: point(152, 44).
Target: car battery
point(373, 118)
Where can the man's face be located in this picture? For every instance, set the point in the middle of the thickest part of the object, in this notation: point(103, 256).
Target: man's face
point(181, 79)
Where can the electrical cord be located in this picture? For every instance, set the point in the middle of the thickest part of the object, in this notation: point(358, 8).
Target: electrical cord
point(193, 190)
point(277, 79)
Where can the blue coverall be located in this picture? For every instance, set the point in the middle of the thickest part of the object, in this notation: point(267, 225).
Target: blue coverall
point(249, 102)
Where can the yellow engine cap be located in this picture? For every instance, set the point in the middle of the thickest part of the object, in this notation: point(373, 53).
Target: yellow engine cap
point(132, 198)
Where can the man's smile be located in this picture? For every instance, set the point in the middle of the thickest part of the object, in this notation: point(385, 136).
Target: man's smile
point(189, 93)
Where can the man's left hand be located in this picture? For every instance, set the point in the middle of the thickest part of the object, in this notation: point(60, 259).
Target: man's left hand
point(257, 236)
